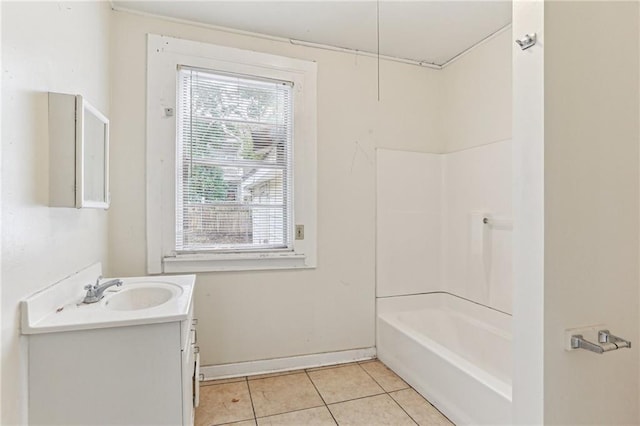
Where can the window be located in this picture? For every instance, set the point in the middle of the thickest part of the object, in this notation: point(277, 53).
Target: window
point(230, 159)
point(234, 162)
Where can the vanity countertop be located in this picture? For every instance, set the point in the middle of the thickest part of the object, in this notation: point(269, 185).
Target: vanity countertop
point(59, 307)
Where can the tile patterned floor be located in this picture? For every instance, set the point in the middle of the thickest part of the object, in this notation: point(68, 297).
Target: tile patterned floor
point(360, 393)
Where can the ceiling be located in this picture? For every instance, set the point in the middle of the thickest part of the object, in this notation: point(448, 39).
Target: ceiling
point(424, 31)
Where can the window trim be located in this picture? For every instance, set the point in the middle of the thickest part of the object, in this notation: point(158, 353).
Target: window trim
point(164, 54)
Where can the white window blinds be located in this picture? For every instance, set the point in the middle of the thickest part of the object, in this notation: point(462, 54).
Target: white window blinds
point(234, 163)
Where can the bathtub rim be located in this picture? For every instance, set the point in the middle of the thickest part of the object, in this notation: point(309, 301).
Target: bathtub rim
point(495, 384)
point(386, 310)
point(387, 303)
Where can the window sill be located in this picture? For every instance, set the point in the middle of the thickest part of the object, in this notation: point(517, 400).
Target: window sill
point(234, 262)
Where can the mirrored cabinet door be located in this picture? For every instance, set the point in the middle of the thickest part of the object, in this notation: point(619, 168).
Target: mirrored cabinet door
point(92, 157)
point(79, 153)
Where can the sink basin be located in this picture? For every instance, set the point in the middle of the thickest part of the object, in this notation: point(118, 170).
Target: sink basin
point(138, 301)
point(144, 295)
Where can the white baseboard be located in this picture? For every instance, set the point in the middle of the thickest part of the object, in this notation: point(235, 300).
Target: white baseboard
point(276, 365)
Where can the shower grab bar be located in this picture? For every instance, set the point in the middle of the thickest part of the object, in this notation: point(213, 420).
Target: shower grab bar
point(502, 223)
point(606, 342)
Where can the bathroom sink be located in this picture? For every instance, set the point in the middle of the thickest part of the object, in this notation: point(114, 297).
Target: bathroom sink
point(137, 301)
point(143, 295)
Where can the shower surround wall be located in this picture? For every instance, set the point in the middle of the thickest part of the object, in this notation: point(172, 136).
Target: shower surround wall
point(477, 256)
point(425, 202)
point(431, 232)
point(409, 222)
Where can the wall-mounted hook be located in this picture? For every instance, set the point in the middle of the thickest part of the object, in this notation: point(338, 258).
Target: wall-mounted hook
point(527, 41)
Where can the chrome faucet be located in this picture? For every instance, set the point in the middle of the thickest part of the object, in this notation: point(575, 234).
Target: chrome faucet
point(95, 292)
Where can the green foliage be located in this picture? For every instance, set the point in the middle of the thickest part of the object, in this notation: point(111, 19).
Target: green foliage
point(215, 130)
point(206, 184)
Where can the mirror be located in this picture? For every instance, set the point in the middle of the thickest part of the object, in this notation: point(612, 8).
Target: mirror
point(92, 156)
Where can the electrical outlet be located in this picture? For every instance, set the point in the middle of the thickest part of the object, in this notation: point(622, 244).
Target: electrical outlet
point(299, 232)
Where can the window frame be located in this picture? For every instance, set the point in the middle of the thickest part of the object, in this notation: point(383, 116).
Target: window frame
point(164, 55)
point(278, 88)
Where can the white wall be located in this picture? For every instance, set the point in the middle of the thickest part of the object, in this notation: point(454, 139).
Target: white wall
point(45, 47)
point(475, 103)
point(1, 68)
point(528, 212)
point(259, 315)
point(591, 181)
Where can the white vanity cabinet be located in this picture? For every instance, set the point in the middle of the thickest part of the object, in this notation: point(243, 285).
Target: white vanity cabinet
point(144, 374)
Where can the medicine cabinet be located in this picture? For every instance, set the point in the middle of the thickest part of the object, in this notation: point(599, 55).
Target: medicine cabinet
point(78, 153)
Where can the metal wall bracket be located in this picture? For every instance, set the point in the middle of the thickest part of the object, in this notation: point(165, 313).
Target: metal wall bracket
point(604, 336)
point(606, 342)
point(527, 41)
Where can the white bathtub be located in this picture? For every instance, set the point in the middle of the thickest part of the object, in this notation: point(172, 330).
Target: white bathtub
point(456, 353)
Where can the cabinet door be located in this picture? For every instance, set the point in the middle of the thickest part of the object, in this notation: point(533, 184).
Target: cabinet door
point(78, 153)
point(92, 156)
point(112, 376)
point(190, 372)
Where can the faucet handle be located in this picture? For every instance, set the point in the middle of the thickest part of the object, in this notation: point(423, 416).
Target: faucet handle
point(98, 279)
point(88, 287)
